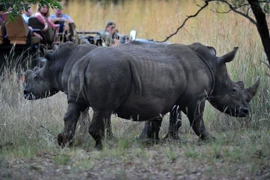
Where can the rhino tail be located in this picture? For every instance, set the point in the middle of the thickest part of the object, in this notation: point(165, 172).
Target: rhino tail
point(83, 68)
point(136, 77)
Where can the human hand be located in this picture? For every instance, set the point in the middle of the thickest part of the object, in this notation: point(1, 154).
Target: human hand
point(116, 42)
point(45, 27)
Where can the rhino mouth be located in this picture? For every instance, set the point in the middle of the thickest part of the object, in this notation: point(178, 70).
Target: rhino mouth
point(238, 112)
point(31, 96)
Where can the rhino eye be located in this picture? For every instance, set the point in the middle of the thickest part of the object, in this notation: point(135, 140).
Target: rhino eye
point(35, 78)
point(234, 90)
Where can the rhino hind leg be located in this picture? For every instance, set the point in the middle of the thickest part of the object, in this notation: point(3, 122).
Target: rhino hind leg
point(70, 120)
point(100, 124)
point(151, 130)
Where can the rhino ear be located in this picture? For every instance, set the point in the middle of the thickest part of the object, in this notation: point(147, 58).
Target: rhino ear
point(27, 73)
point(253, 89)
point(227, 57)
point(241, 84)
point(36, 68)
point(48, 55)
point(212, 50)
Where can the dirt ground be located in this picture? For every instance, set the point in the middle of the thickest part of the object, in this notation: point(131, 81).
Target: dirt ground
point(155, 165)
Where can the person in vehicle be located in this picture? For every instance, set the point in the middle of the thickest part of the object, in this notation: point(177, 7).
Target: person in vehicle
point(60, 16)
point(107, 35)
point(2, 13)
point(43, 16)
point(27, 13)
point(3, 9)
point(61, 19)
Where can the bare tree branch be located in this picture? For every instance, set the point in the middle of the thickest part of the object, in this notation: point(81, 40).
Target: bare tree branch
point(183, 24)
point(232, 8)
point(238, 12)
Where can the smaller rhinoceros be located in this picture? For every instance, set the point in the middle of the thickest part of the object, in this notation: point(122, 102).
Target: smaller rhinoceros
point(53, 76)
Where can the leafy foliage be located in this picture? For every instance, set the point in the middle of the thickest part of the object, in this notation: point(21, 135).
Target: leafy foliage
point(16, 6)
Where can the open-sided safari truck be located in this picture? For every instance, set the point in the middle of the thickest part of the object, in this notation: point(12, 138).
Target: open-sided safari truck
point(94, 37)
point(18, 48)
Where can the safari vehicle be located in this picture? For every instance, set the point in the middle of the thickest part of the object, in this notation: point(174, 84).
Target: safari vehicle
point(94, 37)
point(19, 49)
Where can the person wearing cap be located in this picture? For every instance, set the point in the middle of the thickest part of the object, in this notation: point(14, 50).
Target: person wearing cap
point(107, 35)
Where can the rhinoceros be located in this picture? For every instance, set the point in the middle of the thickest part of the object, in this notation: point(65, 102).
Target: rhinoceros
point(53, 76)
point(219, 99)
point(55, 73)
point(142, 84)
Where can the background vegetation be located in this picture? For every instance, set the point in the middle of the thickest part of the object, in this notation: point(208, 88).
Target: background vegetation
point(28, 129)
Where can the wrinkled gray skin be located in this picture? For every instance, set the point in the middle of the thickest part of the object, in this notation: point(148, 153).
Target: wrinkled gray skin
point(145, 83)
point(53, 76)
point(224, 92)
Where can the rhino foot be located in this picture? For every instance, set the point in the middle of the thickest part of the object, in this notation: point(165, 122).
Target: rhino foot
point(98, 146)
point(172, 136)
point(208, 138)
point(64, 140)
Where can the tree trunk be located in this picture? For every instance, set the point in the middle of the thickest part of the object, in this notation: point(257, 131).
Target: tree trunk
point(261, 26)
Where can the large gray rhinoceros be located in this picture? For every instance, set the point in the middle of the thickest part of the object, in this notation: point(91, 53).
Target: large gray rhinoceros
point(145, 83)
point(175, 123)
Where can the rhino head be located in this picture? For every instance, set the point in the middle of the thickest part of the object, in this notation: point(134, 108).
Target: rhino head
point(231, 97)
point(37, 83)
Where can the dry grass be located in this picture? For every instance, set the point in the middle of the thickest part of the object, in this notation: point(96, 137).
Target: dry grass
point(28, 129)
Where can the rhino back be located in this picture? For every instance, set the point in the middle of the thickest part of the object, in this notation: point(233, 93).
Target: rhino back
point(132, 80)
point(65, 58)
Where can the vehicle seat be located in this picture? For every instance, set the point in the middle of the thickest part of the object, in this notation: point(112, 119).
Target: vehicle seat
point(36, 24)
point(18, 31)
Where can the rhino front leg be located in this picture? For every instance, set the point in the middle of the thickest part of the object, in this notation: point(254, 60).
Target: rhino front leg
point(195, 115)
point(70, 119)
point(100, 122)
point(151, 129)
point(174, 124)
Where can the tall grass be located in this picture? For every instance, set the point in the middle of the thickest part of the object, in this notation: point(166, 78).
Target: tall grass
point(30, 127)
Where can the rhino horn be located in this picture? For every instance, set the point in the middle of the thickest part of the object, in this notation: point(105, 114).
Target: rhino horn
point(227, 57)
point(253, 89)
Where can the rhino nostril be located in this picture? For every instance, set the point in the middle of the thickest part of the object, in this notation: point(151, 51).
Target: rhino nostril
point(25, 92)
point(244, 110)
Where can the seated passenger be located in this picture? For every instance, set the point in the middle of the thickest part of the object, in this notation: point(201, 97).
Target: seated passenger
point(107, 35)
point(60, 18)
point(43, 16)
point(27, 13)
point(3, 9)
